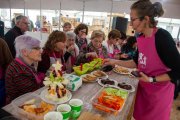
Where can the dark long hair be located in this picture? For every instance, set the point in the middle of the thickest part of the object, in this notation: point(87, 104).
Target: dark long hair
point(129, 45)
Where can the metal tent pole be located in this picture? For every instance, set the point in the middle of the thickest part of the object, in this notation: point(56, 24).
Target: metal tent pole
point(110, 16)
point(10, 10)
point(59, 15)
point(83, 11)
point(24, 7)
point(41, 22)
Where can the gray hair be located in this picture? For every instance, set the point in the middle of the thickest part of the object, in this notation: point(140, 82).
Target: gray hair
point(25, 42)
point(70, 34)
point(20, 17)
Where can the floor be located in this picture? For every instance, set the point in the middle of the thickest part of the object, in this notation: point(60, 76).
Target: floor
point(175, 114)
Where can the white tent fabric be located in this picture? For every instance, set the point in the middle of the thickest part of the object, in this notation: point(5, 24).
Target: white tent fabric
point(171, 7)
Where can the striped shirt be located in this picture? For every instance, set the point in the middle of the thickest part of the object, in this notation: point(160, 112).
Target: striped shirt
point(19, 80)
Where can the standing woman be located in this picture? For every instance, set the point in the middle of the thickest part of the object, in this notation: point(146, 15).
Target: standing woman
point(81, 32)
point(5, 60)
point(157, 60)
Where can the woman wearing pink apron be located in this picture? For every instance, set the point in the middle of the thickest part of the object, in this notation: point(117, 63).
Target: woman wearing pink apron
point(153, 99)
point(157, 60)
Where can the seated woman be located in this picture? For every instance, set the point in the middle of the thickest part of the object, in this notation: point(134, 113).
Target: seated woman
point(21, 76)
point(121, 40)
point(94, 48)
point(5, 60)
point(110, 44)
point(129, 49)
point(53, 51)
point(73, 49)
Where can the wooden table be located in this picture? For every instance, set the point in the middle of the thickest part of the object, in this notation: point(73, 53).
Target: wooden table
point(88, 90)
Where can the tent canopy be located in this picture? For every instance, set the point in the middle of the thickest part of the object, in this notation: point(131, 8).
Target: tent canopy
point(171, 7)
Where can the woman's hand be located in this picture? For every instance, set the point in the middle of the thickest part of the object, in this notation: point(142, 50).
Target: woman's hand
point(117, 56)
point(70, 48)
point(124, 55)
point(92, 54)
point(143, 77)
point(109, 62)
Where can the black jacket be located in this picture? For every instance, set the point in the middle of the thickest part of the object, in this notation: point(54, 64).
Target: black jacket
point(1, 29)
point(10, 37)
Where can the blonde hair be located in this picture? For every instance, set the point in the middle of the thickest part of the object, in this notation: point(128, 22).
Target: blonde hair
point(97, 33)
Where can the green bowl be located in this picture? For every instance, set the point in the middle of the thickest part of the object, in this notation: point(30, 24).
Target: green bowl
point(80, 72)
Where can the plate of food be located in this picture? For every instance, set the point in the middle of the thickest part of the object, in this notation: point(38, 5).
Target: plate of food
point(89, 78)
point(107, 82)
point(122, 70)
point(30, 106)
point(55, 95)
point(126, 87)
point(99, 74)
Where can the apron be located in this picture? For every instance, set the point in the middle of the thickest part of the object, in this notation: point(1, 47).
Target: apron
point(113, 52)
point(57, 56)
point(153, 100)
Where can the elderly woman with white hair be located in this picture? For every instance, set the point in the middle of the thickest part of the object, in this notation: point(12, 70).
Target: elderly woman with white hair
point(21, 76)
point(73, 49)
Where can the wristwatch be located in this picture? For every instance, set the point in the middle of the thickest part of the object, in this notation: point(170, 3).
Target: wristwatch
point(152, 79)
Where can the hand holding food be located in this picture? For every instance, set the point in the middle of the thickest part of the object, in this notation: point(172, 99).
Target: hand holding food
point(109, 62)
point(71, 48)
point(92, 54)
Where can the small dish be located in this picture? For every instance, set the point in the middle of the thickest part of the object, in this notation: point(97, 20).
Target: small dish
point(125, 86)
point(89, 78)
point(107, 82)
point(99, 74)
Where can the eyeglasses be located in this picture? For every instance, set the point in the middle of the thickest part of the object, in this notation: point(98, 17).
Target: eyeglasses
point(71, 40)
point(26, 23)
point(83, 31)
point(133, 19)
point(36, 48)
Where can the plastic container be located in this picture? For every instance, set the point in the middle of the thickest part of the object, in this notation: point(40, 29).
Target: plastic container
point(74, 81)
point(20, 101)
point(104, 108)
point(80, 72)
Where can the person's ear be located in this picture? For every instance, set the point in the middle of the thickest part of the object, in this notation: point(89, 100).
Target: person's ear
point(24, 52)
point(147, 19)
